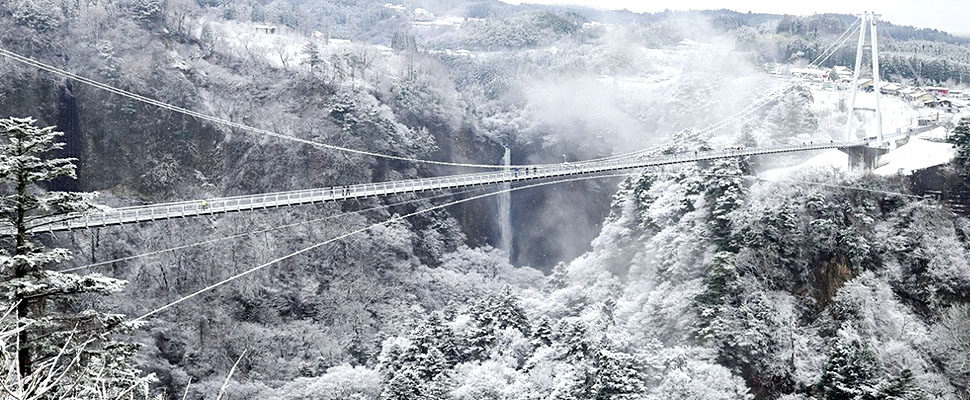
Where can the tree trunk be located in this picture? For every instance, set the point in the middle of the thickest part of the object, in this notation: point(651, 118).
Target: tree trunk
point(21, 271)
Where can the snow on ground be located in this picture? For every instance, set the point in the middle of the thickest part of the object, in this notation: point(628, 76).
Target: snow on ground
point(897, 115)
point(938, 133)
point(826, 159)
point(285, 47)
point(638, 83)
point(444, 20)
point(915, 155)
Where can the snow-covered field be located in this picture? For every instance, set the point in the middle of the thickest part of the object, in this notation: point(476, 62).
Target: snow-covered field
point(915, 155)
point(444, 20)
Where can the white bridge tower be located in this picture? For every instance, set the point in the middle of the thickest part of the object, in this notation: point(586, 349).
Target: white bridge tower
point(868, 20)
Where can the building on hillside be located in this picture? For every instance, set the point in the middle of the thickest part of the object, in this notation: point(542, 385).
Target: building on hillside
point(865, 85)
point(937, 90)
point(890, 88)
point(422, 15)
point(268, 29)
point(925, 98)
point(951, 105)
point(814, 74)
point(774, 68)
point(843, 73)
point(928, 117)
point(909, 93)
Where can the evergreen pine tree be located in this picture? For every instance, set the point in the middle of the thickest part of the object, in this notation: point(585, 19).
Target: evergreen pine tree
point(312, 54)
point(850, 372)
point(542, 333)
point(726, 192)
point(490, 314)
point(572, 341)
point(792, 115)
point(902, 387)
point(508, 312)
point(404, 385)
point(432, 348)
point(746, 136)
point(42, 295)
point(961, 142)
point(558, 278)
point(721, 288)
point(613, 375)
point(419, 371)
point(720, 297)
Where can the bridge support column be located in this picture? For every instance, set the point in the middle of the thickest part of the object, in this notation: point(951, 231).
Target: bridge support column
point(863, 159)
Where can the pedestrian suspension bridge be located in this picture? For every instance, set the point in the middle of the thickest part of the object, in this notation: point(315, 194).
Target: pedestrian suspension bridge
point(862, 154)
point(155, 212)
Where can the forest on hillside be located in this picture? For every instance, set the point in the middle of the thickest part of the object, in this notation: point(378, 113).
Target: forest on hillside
point(687, 282)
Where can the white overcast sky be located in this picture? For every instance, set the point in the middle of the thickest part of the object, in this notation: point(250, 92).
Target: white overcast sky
point(948, 15)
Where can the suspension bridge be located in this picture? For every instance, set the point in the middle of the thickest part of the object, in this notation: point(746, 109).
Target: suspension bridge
point(184, 209)
point(862, 153)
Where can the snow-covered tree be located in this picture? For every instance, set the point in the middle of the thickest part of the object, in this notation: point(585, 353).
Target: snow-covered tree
point(491, 314)
point(405, 385)
point(572, 340)
point(207, 40)
point(39, 15)
point(726, 191)
point(851, 371)
point(792, 115)
point(542, 332)
point(746, 136)
point(902, 387)
point(614, 375)
point(558, 279)
point(721, 288)
point(148, 12)
point(950, 343)
point(311, 56)
point(110, 64)
point(960, 137)
point(337, 383)
point(43, 295)
point(418, 365)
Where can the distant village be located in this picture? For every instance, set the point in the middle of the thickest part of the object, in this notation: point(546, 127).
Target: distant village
point(938, 99)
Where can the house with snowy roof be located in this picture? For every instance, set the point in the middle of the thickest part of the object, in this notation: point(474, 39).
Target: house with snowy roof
point(815, 74)
point(890, 88)
point(843, 73)
point(267, 29)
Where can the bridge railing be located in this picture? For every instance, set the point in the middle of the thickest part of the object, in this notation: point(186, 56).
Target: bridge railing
point(269, 200)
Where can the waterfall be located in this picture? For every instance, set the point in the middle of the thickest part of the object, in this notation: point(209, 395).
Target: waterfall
point(505, 211)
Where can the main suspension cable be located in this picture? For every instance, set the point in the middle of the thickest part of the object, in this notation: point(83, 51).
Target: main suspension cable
point(211, 118)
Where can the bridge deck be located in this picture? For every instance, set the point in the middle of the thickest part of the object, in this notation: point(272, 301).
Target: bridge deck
point(193, 208)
